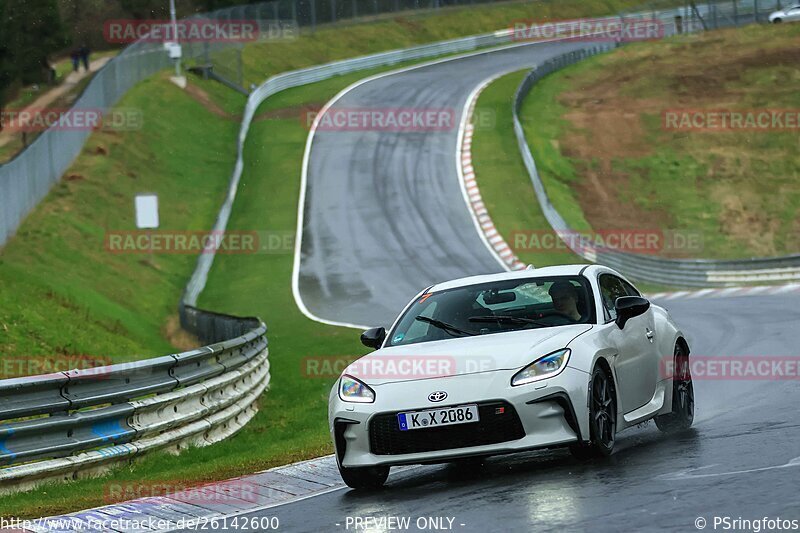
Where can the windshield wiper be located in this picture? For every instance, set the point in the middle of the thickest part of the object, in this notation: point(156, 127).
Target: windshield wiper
point(447, 328)
point(509, 319)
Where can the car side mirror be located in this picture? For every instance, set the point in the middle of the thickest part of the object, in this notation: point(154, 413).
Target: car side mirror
point(628, 307)
point(373, 338)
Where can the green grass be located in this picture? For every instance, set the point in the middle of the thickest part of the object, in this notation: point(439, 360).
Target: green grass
point(62, 292)
point(330, 43)
point(737, 189)
point(542, 121)
point(504, 183)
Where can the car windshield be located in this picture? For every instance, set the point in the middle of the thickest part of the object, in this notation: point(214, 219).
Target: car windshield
point(496, 307)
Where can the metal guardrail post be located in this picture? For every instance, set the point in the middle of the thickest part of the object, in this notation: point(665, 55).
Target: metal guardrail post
point(313, 15)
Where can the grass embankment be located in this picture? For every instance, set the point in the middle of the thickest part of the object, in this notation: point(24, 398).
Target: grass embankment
point(330, 43)
point(504, 183)
point(59, 283)
point(597, 133)
point(63, 293)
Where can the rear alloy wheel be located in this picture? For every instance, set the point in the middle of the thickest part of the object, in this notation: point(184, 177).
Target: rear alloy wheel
point(602, 418)
point(367, 477)
point(682, 414)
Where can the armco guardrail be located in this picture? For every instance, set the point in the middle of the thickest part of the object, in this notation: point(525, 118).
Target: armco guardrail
point(676, 272)
point(76, 423)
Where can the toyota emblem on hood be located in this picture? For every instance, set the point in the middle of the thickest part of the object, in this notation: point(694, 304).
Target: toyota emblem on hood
point(437, 396)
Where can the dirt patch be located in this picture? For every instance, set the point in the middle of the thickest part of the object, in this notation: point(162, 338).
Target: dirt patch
point(605, 127)
point(607, 124)
point(301, 113)
point(180, 338)
point(740, 213)
point(203, 98)
point(304, 114)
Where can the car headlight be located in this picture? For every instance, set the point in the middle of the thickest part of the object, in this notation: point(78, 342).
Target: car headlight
point(543, 368)
point(353, 390)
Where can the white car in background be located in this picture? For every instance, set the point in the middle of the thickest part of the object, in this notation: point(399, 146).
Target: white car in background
point(787, 14)
point(501, 363)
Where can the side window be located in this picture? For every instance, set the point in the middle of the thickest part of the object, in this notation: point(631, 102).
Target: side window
point(630, 289)
point(611, 288)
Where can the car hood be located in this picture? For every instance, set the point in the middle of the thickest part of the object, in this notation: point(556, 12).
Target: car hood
point(465, 355)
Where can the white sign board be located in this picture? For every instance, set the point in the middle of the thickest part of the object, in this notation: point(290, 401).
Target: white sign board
point(146, 211)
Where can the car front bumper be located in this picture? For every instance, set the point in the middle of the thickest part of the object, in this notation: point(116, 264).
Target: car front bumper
point(552, 412)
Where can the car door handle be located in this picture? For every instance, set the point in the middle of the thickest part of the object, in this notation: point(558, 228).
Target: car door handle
point(650, 334)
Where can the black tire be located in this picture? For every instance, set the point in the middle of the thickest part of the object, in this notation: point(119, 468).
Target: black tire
point(602, 418)
point(777, 21)
point(682, 415)
point(364, 478)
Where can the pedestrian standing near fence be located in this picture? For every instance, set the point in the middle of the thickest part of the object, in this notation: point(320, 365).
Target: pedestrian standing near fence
point(84, 52)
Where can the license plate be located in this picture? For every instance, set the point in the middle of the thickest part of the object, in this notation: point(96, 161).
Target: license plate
point(434, 418)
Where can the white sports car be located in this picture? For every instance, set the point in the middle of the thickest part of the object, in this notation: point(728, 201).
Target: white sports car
point(788, 14)
point(501, 363)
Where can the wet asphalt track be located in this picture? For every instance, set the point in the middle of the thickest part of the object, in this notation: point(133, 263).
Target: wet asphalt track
point(385, 217)
point(651, 482)
point(384, 212)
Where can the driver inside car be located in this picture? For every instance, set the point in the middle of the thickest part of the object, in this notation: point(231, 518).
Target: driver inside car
point(565, 299)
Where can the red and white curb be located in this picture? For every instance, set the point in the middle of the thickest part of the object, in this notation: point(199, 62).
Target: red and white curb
point(473, 194)
point(763, 290)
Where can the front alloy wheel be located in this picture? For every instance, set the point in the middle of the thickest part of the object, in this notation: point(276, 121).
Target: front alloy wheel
point(602, 417)
point(682, 414)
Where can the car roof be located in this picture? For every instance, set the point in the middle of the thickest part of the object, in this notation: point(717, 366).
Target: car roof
point(561, 270)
